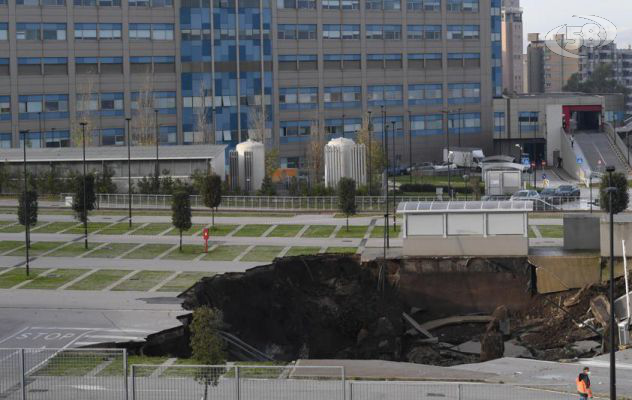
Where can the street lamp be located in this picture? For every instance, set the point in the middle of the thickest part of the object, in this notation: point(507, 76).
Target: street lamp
point(466, 179)
point(385, 142)
point(410, 148)
point(394, 176)
point(85, 211)
point(27, 231)
point(129, 171)
point(370, 128)
point(447, 141)
point(460, 122)
point(611, 191)
point(157, 159)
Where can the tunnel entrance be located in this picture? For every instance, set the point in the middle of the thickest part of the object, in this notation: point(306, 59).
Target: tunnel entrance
point(585, 118)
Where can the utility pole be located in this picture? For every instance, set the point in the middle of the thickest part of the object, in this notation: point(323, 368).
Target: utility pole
point(85, 211)
point(385, 148)
point(613, 330)
point(447, 141)
point(157, 183)
point(460, 122)
point(410, 148)
point(129, 171)
point(370, 128)
point(394, 178)
point(27, 231)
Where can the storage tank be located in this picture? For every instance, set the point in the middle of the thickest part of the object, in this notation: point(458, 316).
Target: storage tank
point(344, 159)
point(251, 165)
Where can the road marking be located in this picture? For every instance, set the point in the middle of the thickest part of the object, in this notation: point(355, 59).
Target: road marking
point(92, 329)
point(115, 337)
point(164, 281)
point(137, 228)
point(77, 279)
point(302, 231)
point(13, 335)
point(284, 251)
point(268, 231)
point(335, 232)
point(5, 270)
point(172, 248)
point(129, 251)
point(123, 279)
point(93, 250)
point(239, 257)
point(26, 282)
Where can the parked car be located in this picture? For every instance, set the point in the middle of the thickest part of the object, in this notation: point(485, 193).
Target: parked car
point(568, 192)
point(495, 197)
point(444, 166)
point(425, 166)
point(550, 196)
point(526, 195)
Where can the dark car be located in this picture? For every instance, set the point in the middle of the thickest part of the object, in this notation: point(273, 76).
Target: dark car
point(568, 192)
point(550, 196)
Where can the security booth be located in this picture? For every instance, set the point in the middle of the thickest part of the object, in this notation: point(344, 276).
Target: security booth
point(465, 228)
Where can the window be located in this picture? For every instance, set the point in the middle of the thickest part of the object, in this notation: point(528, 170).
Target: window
point(165, 102)
point(4, 31)
point(528, 121)
point(340, 4)
point(168, 134)
point(342, 127)
point(111, 65)
point(29, 66)
point(110, 31)
point(464, 60)
point(3, 2)
point(33, 140)
point(140, 31)
point(301, 4)
point(499, 122)
point(387, 5)
point(54, 31)
point(424, 125)
point(298, 98)
point(164, 64)
point(423, 5)
point(418, 61)
point(298, 62)
point(291, 162)
point(342, 61)
point(4, 66)
point(432, 32)
point(110, 137)
point(5, 140)
point(425, 94)
point(458, 32)
point(378, 127)
point(111, 104)
point(100, 3)
point(343, 96)
point(345, 31)
point(55, 65)
point(301, 31)
point(5, 108)
point(85, 31)
point(462, 5)
point(53, 106)
point(57, 138)
point(464, 123)
point(294, 129)
point(415, 32)
point(42, 2)
point(27, 31)
point(464, 93)
point(152, 3)
point(162, 31)
point(387, 95)
point(381, 61)
point(87, 65)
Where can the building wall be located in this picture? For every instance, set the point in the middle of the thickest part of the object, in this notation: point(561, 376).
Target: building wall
point(216, 64)
point(619, 59)
point(512, 38)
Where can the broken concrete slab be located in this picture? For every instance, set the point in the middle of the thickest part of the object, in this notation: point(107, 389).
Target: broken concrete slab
point(586, 346)
point(471, 347)
point(512, 349)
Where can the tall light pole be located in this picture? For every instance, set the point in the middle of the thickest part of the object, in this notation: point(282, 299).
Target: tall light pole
point(613, 380)
point(460, 123)
point(370, 128)
point(385, 148)
point(129, 170)
point(410, 148)
point(447, 142)
point(394, 176)
point(41, 134)
point(27, 231)
point(157, 159)
point(85, 211)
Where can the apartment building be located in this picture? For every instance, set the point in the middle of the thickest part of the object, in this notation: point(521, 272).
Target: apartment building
point(619, 59)
point(512, 41)
point(548, 71)
point(201, 71)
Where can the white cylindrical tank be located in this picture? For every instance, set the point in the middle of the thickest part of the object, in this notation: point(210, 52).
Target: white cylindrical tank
point(251, 176)
point(344, 159)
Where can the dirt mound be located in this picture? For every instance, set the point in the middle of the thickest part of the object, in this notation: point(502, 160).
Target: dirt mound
point(325, 306)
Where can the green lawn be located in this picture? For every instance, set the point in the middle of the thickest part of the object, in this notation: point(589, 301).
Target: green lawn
point(189, 252)
point(37, 248)
point(319, 231)
point(54, 227)
point(18, 275)
point(153, 229)
point(551, 231)
point(378, 231)
point(302, 250)
point(73, 249)
point(262, 253)
point(71, 363)
point(115, 368)
point(352, 232)
point(92, 227)
point(532, 234)
point(285, 231)
point(99, 280)
point(149, 251)
point(112, 250)
point(183, 281)
point(195, 228)
point(55, 279)
point(252, 230)
point(15, 228)
point(221, 230)
point(142, 281)
point(225, 253)
point(119, 229)
point(8, 245)
point(341, 250)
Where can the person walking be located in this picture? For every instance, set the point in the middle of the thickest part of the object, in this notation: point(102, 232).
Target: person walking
point(583, 384)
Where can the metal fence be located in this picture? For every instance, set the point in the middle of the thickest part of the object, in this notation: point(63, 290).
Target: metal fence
point(100, 374)
point(63, 374)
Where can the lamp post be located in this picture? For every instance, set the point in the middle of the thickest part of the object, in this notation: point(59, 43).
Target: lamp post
point(129, 171)
point(27, 231)
point(39, 116)
point(410, 148)
point(447, 142)
point(54, 138)
point(627, 144)
point(611, 191)
point(85, 211)
point(460, 122)
point(385, 141)
point(394, 175)
point(466, 179)
point(370, 128)
point(157, 159)
point(590, 176)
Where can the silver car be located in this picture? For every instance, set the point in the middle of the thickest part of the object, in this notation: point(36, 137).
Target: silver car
point(525, 195)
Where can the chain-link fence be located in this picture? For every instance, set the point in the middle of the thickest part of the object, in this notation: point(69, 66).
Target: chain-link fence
point(63, 374)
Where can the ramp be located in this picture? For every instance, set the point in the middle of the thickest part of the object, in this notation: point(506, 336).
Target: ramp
point(599, 151)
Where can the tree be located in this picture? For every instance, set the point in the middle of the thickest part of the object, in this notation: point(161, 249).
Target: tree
point(620, 198)
point(104, 182)
point(202, 120)
point(267, 187)
point(211, 192)
point(27, 201)
point(257, 123)
point(91, 198)
point(143, 118)
point(181, 211)
point(316, 155)
point(602, 80)
point(87, 105)
point(347, 197)
point(374, 153)
point(271, 161)
point(207, 346)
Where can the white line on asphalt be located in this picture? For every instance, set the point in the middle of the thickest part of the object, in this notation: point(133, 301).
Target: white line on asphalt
point(114, 337)
point(14, 335)
point(164, 281)
point(77, 279)
point(88, 329)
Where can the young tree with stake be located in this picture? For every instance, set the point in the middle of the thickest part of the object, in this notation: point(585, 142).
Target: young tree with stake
point(346, 197)
point(207, 347)
point(181, 212)
point(91, 198)
point(27, 209)
point(211, 191)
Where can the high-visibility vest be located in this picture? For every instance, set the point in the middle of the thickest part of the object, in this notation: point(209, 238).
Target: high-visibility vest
point(581, 386)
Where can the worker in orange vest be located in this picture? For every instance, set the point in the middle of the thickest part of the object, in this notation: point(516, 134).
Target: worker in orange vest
point(583, 384)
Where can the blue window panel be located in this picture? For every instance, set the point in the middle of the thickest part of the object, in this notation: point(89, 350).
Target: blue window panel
point(499, 122)
point(111, 60)
point(4, 61)
point(426, 125)
point(111, 104)
point(57, 138)
point(464, 123)
point(378, 128)
point(5, 108)
point(168, 135)
point(343, 97)
point(386, 95)
point(424, 56)
point(163, 59)
point(5, 140)
point(425, 94)
point(55, 60)
point(341, 57)
point(33, 140)
point(464, 93)
point(29, 60)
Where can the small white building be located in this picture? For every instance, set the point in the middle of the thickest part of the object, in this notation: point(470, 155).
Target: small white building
point(465, 228)
point(344, 159)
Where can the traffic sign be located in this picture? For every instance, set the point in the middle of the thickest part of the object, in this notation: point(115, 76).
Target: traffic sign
point(580, 160)
point(525, 161)
point(543, 176)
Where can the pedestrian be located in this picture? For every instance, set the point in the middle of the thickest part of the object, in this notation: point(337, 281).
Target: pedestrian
point(572, 141)
point(583, 384)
